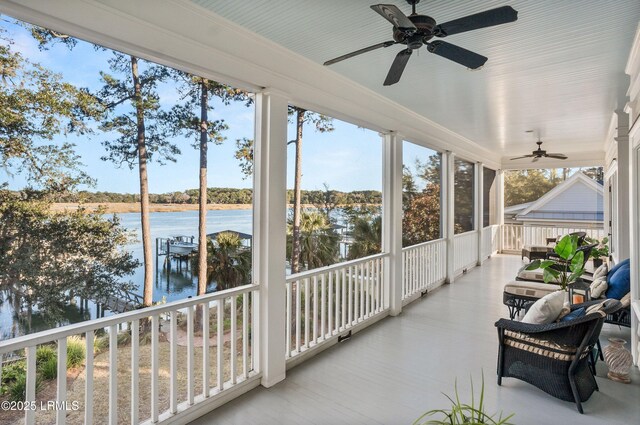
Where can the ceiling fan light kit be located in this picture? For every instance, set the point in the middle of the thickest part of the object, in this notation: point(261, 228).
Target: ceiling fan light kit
point(415, 31)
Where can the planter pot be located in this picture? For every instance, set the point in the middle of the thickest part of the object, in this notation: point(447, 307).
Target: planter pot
point(618, 360)
point(597, 262)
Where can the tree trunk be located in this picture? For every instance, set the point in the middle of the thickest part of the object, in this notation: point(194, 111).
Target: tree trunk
point(144, 186)
point(202, 201)
point(295, 249)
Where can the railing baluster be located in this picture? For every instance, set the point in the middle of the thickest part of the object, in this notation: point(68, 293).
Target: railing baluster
point(288, 318)
point(343, 316)
point(220, 364)
point(337, 302)
point(245, 336)
point(350, 300)
point(88, 381)
point(315, 309)
point(323, 303)
point(330, 304)
point(206, 368)
point(190, 357)
point(362, 300)
point(155, 367)
point(233, 357)
point(307, 308)
point(173, 362)
point(61, 393)
point(135, 368)
point(30, 391)
point(298, 315)
point(113, 374)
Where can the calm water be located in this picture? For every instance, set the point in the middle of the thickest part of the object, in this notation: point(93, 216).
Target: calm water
point(172, 284)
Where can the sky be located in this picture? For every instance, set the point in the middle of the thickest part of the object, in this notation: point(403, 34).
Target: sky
point(348, 158)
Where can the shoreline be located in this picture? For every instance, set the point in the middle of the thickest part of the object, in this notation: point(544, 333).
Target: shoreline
point(134, 207)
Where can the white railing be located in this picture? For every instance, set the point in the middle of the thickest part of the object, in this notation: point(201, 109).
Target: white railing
point(424, 267)
point(465, 250)
point(515, 237)
point(490, 240)
point(153, 353)
point(328, 301)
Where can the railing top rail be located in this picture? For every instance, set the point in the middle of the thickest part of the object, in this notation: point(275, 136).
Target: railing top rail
point(461, 235)
point(50, 335)
point(421, 244)
point(321, 270)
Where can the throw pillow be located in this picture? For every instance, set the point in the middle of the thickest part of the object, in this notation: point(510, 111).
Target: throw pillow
point(619, 283)
point(600, 271)
point(546, 309)
point(598, 287)
point(575, 314)
point(624, 263)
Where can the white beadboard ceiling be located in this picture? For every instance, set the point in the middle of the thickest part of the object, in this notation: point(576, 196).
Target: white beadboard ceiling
point(558, 69)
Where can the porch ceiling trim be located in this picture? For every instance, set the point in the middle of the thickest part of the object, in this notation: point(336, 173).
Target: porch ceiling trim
point(184, 35)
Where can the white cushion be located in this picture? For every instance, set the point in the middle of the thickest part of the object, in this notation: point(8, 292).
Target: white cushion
point(546, 309)
point(599, 287)
point(530, 289)
point(600, 271)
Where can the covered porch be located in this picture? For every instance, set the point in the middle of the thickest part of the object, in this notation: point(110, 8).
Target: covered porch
point(398, 369)
point(443, 305)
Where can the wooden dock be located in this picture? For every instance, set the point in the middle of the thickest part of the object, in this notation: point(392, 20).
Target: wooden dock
point(127, 302)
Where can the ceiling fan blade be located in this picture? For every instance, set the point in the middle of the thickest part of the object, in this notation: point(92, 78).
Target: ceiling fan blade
point(397, 67)
point(523, 157)
point(457, 54)
point(556, 156)
point(394, 15)
point(359, 52)
point(488, 18)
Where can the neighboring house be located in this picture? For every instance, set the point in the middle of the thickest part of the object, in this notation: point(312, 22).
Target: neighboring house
point(578, 201)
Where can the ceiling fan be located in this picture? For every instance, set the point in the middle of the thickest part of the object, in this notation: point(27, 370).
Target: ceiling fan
point(540, 153)
point(416, 30)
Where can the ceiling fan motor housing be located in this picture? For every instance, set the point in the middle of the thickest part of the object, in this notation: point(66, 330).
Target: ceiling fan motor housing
point(425, 25)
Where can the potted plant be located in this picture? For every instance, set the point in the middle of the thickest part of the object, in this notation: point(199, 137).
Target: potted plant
point(566, 267)
point(600, 251)
point(462, 413)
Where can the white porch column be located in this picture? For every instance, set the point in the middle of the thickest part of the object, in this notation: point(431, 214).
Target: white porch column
point(624, 189)
point(446, 209)
point(479, 201)
point(500, 206)
point(392, 220)
point(269, 227)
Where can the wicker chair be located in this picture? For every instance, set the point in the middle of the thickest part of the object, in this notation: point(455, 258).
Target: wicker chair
point(554, 357)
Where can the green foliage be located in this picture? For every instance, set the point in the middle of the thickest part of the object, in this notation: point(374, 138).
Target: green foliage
point(100, 343)
point(47, 258)
point(244, 154)
point(17, 390)
point(48, 369)
point(10, 373)
point(228, 261)
point(75, 351)
point(601, 250)
point(421, 219)
point(568, 269)
point(45, 353)
point(318, 241)
point(367, 237)
point(463, 413)
point(38, 105)
point(464, 197)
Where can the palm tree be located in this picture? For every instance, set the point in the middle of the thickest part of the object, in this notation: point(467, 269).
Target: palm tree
point(228, 261)
point(319, 243)
point(367, 237)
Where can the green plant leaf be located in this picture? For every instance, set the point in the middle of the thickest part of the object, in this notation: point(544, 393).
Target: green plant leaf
point(577, 261)
point(550, 275)
point(566, 247)
point(535, 264)
point(546, 263)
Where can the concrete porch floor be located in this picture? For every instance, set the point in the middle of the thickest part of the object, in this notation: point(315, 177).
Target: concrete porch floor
point(398, 369)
